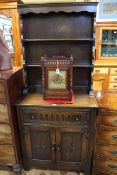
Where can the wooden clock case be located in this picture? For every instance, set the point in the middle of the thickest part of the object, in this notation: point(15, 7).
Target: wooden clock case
point(57, 85)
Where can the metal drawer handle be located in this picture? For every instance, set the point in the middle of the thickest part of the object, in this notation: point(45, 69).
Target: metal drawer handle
point(115, 121)
point(114, 137)
point(77, 119)
point(114, 86)
point(112, 166)
point(32, 117)
point(97, 71)
point(113, 152)
point(115, 79)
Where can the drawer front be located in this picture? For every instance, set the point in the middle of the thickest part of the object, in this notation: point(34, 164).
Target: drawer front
point(55, 116)
point(100, 70)
point(95, 172)
point(113, 78)
point(108, 120)
point(2, 87)
point(106, 165)
point(2, 97)
point(107, 151)
point(4, 113)
point(5, 134)
point(112, 86)
point(2, 91)
point(97, 85)
point(107, 135)
point(7, 155)
point(113, 71)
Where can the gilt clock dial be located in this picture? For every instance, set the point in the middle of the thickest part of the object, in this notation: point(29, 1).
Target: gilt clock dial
point(57, 80)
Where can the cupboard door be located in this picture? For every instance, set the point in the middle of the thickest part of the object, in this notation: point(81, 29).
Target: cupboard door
point(39, 146)
point(71, 148)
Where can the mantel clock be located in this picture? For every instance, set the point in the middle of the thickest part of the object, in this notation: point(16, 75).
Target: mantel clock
point(57, 77)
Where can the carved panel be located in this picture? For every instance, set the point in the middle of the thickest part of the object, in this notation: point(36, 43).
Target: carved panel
point(6, 13)
point(55, 116)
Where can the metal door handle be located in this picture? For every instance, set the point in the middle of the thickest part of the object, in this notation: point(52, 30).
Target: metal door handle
point(114, 137)
point(58, 148)
point(112, 166)
point(53, 148)
point(115, 121)
point(114, 152)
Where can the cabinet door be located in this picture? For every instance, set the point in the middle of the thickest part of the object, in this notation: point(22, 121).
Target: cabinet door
point(71, 148)
point(106, 43)
point(39, 146)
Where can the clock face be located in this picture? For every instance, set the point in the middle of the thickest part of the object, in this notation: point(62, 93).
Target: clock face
point(57, 80)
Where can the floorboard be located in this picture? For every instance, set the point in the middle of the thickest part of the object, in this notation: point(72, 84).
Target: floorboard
point(42, 172)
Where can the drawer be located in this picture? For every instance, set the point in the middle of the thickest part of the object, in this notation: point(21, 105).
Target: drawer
point(113, 71)
point(107, 135)
point(7, 155)
point(96, 172)
point(108, 120)
point(106, 165)
point(55, 116)
point(2, 97)
point(5, 134)
point(2, 91)
point(4, 113)
point(107, 151)
point(100, 70)
point(2, 87)
point(113, 78)
point(98, 85)
point(112, 86)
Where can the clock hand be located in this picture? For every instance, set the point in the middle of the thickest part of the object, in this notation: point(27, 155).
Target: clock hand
point(57, 69)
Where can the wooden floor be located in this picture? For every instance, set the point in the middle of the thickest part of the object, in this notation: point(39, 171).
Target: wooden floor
point(42, 172)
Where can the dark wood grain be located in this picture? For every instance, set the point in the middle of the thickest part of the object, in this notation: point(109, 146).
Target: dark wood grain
point(72, 34)
point(65, 7)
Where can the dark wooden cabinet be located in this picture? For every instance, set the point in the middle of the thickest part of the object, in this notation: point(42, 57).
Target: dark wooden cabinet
point(58, 136)
point(61, 29)
point(11, 87)
point(53, 147)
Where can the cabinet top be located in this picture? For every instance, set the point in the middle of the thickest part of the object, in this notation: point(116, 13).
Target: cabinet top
point(58, 7)
point(6, 74)
point(80, 101)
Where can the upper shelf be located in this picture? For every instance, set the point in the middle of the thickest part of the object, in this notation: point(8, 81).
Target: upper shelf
point(58, 7)
point(109, 44)
point(74, 65)
point(62, 39)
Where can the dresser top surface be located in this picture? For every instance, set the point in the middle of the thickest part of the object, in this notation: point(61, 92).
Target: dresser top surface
point(107, 100)
point(80, 101)
point(6, 74)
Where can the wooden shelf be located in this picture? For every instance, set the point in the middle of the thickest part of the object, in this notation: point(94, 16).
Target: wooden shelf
point(74, 65)
point(114, 44)
point(62, 39)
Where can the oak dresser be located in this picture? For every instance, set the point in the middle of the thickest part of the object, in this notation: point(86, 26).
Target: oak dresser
point(105, 153)
point(11, 86)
